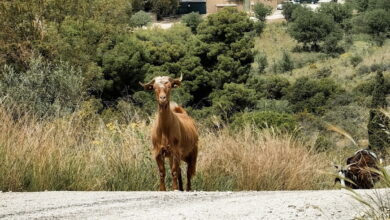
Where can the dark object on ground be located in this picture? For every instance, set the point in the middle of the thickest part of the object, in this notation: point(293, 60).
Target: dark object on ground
point(360, 172)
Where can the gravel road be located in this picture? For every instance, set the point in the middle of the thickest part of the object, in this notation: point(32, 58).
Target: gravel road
point(326, 204)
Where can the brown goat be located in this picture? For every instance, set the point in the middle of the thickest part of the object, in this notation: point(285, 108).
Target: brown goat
point(174, 134)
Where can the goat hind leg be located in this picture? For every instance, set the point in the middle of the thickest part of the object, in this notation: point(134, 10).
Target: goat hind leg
point(191, 167)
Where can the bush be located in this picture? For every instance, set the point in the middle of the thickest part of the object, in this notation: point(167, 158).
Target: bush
point(355, 60)
point(270, 87)
point(262, 63)
point(192, 20)
point(264, 120)
point(378, 24)
point(233, 98)
point(310, 28)
point(261, 11)
point(164, 8)
point(339, 12)
point(140, 19)
point(45, 89)
point(288, 9)
point(311, 94)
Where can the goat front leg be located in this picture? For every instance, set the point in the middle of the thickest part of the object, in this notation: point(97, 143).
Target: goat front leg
point(178, 173)
point(177, 182)
point(161, 169)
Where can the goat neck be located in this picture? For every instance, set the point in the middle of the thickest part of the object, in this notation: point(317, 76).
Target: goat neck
point(165, 116)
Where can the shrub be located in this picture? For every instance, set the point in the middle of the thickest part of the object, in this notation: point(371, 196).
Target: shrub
point(355, 60)
point(264, 120)
point(164, 8)
point(192, 20)
point(262, 63)
point(310, 28)
point(140, 19)
point(45, 89)
point(378, 24)
point(233, 98)
point(270, 87)
point(261, 11)
point(311, 94)
point(288, 9)
point(339, 12)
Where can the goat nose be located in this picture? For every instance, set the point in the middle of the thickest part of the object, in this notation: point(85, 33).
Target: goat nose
point(163, 97)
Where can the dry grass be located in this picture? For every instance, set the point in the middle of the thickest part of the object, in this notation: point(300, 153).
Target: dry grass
point(263, 160)
point(80, 152)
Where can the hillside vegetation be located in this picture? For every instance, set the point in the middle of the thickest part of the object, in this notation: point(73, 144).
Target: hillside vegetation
point(73, 116)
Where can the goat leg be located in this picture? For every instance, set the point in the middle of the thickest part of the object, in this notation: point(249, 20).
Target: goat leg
point(161, 169)
point(177, 182)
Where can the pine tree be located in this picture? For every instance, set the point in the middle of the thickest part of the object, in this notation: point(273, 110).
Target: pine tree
point(379, 124)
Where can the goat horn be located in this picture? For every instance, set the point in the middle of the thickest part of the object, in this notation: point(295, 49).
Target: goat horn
point(181, 77)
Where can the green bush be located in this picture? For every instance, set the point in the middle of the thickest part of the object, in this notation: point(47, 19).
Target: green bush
point(261, 11)
point(311, 94)
point(378, 24)
point(164, 8)
point(192, 20)
point(45, 89)
point(288, 9)
point(311, 28)
point(233, 98)
point(355, 60)
point(339, 12)
point(262, 63)
point(270, 87)
point(264, 120)
point(140, 19)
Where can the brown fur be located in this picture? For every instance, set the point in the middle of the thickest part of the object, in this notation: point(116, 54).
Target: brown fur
point(360, 170)
point(174, 134)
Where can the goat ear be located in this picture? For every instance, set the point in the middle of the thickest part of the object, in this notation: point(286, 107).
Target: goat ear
point(147, 86)
point(177, 82)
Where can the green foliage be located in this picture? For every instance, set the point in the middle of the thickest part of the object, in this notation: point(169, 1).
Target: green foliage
point(164, 8)
point(140, 19)
point(355, 60)
point(192, 20)
point(225, 49)
point(367, 87)
point(265, 119)
point(378, 24)
point(310, 28)
point(262, 63)
point(261, 11)
point(270, 87)
point(339, 12)
point(378, 128)
point(311, 94)
point(233, 98)
point(45, 89)
point(379, 92)
point(288, 9)
point(285, 64)
point(123, 66)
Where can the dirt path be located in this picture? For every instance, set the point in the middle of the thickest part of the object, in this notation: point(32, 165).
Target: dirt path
point(327, 204)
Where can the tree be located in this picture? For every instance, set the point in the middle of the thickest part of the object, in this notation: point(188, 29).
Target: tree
point(288, 9)
point(261, 11)
point(379, 124)
point(310, 27)
point(339, 12)
point(225, 49)
point(378, 24)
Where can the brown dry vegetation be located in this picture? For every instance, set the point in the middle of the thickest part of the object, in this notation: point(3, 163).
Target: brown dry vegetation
point(80, 152)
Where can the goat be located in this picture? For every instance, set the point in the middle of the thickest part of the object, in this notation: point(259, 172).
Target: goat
point(174, 134)
point(360, 172)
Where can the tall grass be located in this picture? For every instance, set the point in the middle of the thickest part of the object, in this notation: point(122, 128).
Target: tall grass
point(81, 152)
